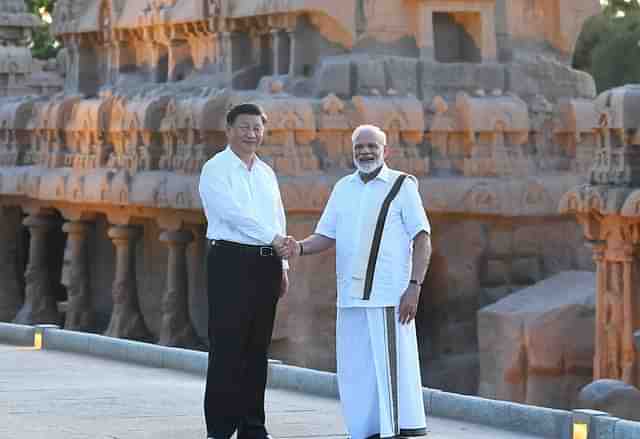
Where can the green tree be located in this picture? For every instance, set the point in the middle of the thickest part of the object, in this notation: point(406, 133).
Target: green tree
point(626, 6)
point(595, 30)
point(615, 60)
point(608, 46)
point(44, 45)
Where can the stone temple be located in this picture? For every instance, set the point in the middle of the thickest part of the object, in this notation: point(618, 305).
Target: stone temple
point(100, 151)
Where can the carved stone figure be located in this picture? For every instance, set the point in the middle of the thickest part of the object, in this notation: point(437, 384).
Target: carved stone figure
point(116, 131)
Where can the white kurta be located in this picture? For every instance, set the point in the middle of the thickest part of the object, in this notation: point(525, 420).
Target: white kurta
point(378, 365)
point(352, 203)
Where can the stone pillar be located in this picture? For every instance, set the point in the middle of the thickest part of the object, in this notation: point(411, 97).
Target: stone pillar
point(126, 318)
point(503, 38)
point(489, 45)
point(617, 307)
point(11, 294)
point(631, 317)
point(80, 315)
point(276, 39)
point(178, 52)
point(292, 52)
point(114, 52)
point(256, 46)
point(227, 55)
point(177, 329)
point(600, 348)
point(40, 305)
point(426, 39)
point(151, 58)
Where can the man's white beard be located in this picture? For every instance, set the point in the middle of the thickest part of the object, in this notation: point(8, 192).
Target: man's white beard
point(368, 167)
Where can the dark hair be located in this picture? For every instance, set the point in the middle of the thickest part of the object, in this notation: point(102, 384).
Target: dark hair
point(251, 109)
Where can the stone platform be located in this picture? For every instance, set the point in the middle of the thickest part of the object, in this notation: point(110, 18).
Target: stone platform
point(61, 395)
point(63, 384)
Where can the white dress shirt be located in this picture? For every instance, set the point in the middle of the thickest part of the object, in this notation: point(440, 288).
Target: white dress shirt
point(350, 202)
point(241, 205)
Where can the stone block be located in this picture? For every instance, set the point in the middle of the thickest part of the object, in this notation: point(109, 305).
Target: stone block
point(403, 75)
point(334, 76)
point(21, 335)
point(304, 380)
point(427, 396)
point(536, 345)
point(522, 83)
point(500, 241)
point(447, 79)
point(612, 396)
point(526, 240)
point(11, 295)
point(492, 295)
point(549, 78)
point(145, 353)
point(457, 336)
point(370, 75)
point(70, 341)
point(627, 430)
point(185, 360)
point(107, 347)
point(558, 248)
point(526, 270)
point(454, 406)
point(456, 372)
point(603, 427)
point(497, 272)
point(538, 421)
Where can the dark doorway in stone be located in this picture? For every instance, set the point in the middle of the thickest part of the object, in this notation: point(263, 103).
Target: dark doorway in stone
point(162, 68)
point(266, 55)
point(457, 37)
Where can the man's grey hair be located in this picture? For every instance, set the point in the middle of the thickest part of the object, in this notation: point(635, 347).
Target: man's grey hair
point(378, 132)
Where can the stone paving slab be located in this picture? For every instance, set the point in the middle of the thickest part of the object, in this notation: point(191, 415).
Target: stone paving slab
point(56, 395)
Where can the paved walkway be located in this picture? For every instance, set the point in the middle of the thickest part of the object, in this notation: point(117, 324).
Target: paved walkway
point(56, 395)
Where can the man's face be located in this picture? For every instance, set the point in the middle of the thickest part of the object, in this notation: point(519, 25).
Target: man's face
point(368, 152)
point(246, 133)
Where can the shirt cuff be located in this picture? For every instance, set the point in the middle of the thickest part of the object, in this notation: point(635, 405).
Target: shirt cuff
point(418, 229)
point(325, 233)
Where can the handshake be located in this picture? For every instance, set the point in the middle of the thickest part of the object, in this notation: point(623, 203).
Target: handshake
point(286, 246)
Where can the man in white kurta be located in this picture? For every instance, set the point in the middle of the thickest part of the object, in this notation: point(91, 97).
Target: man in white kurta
point(377, 353)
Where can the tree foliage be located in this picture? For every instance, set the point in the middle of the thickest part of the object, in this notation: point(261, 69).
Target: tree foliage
point(44, 45)
point(609, 46)
point(614, 7)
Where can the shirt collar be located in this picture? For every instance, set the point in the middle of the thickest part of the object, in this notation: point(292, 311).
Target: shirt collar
point(384, 175)
point(237, 161)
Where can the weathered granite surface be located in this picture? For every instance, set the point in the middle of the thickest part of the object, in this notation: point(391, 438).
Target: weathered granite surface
point(536, 346)
point(476, 97)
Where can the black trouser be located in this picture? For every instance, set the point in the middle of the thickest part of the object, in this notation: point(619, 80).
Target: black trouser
point(243, 290)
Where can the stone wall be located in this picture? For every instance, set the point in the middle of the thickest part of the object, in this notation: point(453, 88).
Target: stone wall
point(495, 135)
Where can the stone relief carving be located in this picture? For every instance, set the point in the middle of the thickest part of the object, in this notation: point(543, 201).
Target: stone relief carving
point(148, 84)
point(607, 209)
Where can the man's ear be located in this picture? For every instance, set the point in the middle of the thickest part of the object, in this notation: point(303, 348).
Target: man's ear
point(386, 152)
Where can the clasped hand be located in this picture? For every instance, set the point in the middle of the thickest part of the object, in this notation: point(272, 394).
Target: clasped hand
point(286, 246)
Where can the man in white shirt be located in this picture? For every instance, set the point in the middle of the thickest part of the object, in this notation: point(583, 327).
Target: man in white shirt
point(246, 275)
point(381, 260)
